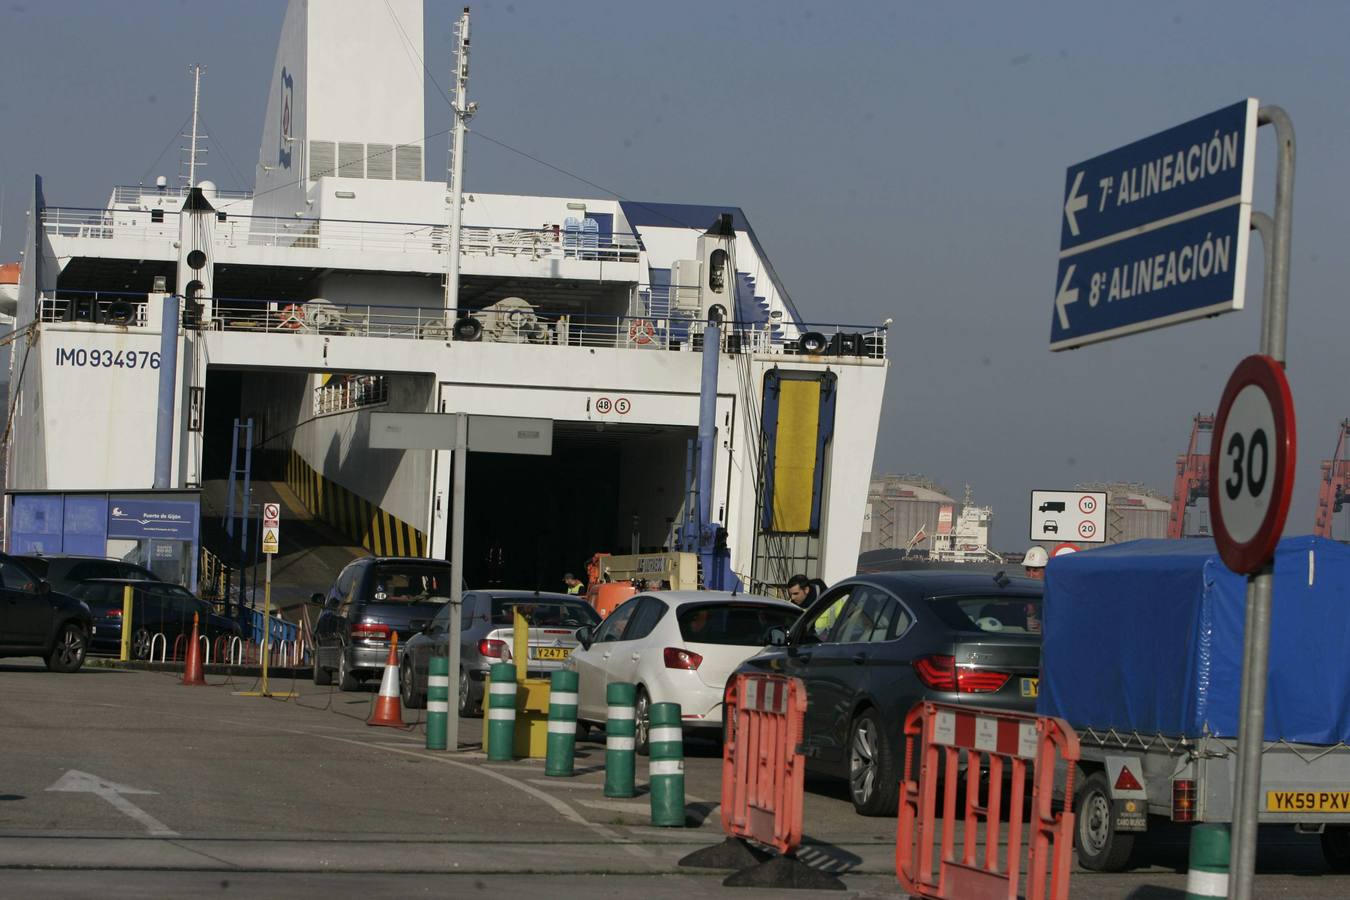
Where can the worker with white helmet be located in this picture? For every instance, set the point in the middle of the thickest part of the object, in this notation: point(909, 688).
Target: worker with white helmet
point(1034, 562)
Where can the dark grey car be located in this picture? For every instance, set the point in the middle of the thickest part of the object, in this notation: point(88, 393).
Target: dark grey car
point(371, 600)
point(486, 637)
point(874, 645)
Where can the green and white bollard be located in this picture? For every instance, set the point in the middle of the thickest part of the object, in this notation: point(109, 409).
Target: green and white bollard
point(620, 731)
point(1208, 875)
point(501, 712)
point(562, 724)
point(665, 768)
point(438, 701)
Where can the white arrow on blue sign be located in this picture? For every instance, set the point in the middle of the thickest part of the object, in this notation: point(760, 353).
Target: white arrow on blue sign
point(1156, 232)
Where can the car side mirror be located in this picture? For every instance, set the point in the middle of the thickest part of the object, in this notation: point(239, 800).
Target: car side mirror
point(585, 636)
point(777, 636)
point(43, 588)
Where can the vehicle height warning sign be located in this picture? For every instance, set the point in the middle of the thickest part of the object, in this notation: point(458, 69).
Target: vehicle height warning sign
point(1078, 516)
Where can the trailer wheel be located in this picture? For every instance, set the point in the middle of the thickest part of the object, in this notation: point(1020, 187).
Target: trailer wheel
point(1336, 847)
point(1100, 847)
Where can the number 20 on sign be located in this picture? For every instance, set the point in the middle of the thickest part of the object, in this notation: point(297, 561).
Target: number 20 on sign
point(1251, 464)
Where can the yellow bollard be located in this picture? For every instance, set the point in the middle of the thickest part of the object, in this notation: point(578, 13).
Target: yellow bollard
point(520, 644)
point(126, 624)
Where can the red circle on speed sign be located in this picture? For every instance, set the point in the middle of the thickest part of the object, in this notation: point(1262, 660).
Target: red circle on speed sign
point(1251, 463)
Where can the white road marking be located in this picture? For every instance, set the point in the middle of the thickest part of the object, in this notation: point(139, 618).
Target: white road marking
point(76, 782)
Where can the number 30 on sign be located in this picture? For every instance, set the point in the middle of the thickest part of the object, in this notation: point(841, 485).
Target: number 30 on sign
point(1251, 464)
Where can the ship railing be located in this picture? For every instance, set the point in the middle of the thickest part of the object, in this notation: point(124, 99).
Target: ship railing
point(123, 308)
point(144, 194)
point(232, 231)
point(540, 326)
point(549, 242)
point(107, 224)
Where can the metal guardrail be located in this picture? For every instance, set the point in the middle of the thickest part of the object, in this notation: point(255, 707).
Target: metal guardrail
point(345, 234)
point(350, 392)
point(522, 325)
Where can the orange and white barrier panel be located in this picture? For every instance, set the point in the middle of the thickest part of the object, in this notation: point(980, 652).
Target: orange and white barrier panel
point(998, 750)
point(763, 769)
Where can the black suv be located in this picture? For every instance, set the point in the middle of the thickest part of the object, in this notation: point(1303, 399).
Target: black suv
point(371, 600)
point(35, 621)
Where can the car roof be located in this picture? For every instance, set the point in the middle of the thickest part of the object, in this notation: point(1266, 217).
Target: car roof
point(944, 582)
point(528, 595)
point(682, 598)
point(79, 556)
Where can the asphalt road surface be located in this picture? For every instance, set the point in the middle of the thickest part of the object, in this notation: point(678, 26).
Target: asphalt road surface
point(127, 784)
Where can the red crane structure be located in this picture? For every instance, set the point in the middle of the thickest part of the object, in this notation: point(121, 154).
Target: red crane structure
point(1192, 475)
point(1334, 490)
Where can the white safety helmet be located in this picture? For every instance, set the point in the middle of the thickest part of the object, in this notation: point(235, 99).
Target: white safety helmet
point(1036, 558)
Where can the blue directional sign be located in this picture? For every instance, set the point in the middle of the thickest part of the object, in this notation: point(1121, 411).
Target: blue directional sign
point(1155, 232)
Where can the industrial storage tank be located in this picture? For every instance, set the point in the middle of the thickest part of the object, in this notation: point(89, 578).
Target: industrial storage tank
point(901, 508)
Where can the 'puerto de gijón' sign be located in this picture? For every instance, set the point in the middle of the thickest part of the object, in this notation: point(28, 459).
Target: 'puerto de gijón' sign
point(1156, 232)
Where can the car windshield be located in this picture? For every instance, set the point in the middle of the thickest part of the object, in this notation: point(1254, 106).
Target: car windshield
point(995, 615)
point(543, 613)
point(412, 584)
point(735, 624)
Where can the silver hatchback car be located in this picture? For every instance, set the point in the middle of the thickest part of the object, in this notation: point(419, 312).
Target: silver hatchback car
point(486, 637)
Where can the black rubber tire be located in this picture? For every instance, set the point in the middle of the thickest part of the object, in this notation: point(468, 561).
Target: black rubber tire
point(407, 685)
point(68, 649)
point(140, 644)
point(346, 678)
point(873, 773)
point(1100, 847)
point(1336, 847)
point(642, 723)
point(469, 707)
point(322, 677)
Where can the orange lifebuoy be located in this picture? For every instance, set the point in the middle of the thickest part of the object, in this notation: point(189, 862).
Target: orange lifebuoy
point(292, 317)
point(641, 331)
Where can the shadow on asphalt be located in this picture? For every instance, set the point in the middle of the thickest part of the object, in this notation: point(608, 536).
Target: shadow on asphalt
point(39, 669)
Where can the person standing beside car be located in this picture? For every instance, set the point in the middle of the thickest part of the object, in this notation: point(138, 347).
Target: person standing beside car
point(1034, 562)
point(801, 591)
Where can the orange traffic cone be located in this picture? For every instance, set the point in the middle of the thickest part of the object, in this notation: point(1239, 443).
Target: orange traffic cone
point(388, 710)
point(192, 670)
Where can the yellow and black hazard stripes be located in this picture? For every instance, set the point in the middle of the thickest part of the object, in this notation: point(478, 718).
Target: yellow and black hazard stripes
point(355, 516)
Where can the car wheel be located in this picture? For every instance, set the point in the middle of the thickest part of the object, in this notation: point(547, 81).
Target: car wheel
point(873, 784)
point(642, 723)
point(467, 706)
point(1100, 847)
point(1336, 847)
point(322, 676)
point(68, 652)
point(407, 680)
point(140, 644)
point(346, 679)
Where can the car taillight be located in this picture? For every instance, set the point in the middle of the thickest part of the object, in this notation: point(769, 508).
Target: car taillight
point(682, 659)
point(492, 648)
point(941, 673)
point(370, 631)
point(937, 672)
point(979, 681)
point(115, 611)
point(1183, 800)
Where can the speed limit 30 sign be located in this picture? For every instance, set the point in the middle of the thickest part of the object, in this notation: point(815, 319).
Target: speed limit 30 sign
point(1251, 464)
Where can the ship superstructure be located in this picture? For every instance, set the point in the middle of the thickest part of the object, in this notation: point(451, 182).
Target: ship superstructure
point(319, 297)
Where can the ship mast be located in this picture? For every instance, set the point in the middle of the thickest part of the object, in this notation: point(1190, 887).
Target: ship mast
point(197, 71)
point(462, 110)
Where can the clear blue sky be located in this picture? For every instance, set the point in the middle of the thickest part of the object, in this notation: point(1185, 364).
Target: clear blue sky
point(898, 160)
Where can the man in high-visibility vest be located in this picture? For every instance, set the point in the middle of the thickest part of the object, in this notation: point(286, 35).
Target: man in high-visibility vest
point(574, 584)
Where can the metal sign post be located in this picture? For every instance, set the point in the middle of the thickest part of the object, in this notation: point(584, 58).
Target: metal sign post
point(271, 545)
point(1256, 637)
point(456, 574)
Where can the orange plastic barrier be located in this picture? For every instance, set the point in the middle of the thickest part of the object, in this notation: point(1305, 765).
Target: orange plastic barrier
point(1021, 746)
point(762, 765)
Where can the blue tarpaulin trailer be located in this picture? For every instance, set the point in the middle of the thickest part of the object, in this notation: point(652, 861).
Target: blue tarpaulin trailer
point(1142, 654)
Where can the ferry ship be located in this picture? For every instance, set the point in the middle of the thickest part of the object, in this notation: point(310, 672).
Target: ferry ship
point(344, 285)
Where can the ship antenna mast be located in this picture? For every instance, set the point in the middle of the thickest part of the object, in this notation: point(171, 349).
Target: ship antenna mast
point(462, 110)
point(196, 71)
